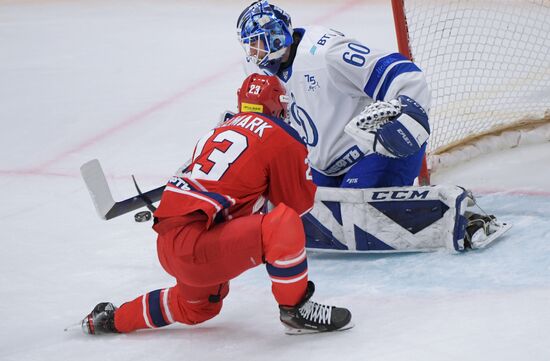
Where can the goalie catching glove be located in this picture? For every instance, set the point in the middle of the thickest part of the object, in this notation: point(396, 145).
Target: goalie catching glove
point(396, 128)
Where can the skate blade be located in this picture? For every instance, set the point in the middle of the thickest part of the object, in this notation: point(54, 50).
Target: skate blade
point(299, 331)
point(501, 228)
point(73, 326)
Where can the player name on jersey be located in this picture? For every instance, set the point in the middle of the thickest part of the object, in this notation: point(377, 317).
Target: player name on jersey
point(251, 122)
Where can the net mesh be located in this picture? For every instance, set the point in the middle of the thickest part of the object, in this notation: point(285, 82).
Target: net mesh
point(487, 63)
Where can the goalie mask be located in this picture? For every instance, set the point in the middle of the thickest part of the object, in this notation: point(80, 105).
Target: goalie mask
point(265, 32)
point(263, 94)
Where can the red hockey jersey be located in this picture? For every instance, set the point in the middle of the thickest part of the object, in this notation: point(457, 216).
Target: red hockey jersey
point(237, 166)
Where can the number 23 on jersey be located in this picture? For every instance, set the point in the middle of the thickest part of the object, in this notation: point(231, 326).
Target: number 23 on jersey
point(224, 149)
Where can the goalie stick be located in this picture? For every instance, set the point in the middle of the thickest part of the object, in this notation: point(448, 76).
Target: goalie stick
point(106, 207)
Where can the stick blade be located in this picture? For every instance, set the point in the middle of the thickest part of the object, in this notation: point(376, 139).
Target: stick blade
point(95, 180)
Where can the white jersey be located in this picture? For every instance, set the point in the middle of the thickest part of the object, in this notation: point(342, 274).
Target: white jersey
point(330, 81)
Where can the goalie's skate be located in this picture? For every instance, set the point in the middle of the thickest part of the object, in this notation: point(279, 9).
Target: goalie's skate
point(483, 230)
point(100, 320)
point(313, 317)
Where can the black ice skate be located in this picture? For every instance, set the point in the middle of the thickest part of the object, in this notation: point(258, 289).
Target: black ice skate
point(313, 317)
point(100, 320)
point(482, 230)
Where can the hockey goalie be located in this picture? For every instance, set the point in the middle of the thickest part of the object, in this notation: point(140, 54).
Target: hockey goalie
point(396, 219)
point(362, 113)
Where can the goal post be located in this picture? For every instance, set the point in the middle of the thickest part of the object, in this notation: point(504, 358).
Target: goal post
point(487, 63)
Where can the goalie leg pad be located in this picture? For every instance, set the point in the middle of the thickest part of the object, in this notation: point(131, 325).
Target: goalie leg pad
point(392, 219)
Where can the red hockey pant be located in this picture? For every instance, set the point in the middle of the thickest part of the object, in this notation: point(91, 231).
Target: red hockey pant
point(204, 260)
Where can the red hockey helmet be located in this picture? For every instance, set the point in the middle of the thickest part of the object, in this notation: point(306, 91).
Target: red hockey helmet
point(263, 94)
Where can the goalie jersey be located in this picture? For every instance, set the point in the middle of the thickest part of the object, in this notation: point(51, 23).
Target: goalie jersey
point(333, 78)
point(237, 167)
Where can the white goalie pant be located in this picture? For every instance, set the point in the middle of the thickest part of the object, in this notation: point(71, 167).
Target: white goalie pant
point(402, 219)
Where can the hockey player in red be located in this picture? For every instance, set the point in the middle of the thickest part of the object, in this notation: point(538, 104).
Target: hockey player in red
point(211, 229)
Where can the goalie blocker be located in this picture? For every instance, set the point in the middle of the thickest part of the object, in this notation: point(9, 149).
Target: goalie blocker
point(398, 219)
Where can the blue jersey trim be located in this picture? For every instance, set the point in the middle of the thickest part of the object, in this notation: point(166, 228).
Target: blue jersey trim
point(286, 73)
point(212, 195)
point(378, 72)
point(392, 74)
point(154, 309)
point(287, 128)
point(218, 198)
point(347, 159)
point(287, 272)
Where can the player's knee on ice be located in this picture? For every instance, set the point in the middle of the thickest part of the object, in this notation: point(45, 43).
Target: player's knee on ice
point(193, 305)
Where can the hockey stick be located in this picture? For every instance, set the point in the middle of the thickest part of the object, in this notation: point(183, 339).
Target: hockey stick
point(105, 205)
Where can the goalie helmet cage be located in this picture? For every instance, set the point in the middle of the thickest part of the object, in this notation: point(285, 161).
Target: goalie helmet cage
point(487, 63)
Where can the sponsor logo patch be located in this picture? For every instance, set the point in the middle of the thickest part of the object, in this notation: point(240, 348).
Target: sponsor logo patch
point(256, 108)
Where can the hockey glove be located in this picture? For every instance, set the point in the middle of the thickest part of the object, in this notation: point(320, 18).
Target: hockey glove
point(396, 128)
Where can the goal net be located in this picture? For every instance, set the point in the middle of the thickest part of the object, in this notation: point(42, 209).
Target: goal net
point(488, 66)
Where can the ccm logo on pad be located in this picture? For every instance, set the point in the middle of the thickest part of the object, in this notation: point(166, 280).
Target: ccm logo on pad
point(384, 195)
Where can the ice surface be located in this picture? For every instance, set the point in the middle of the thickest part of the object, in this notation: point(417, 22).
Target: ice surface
point(134, 83)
